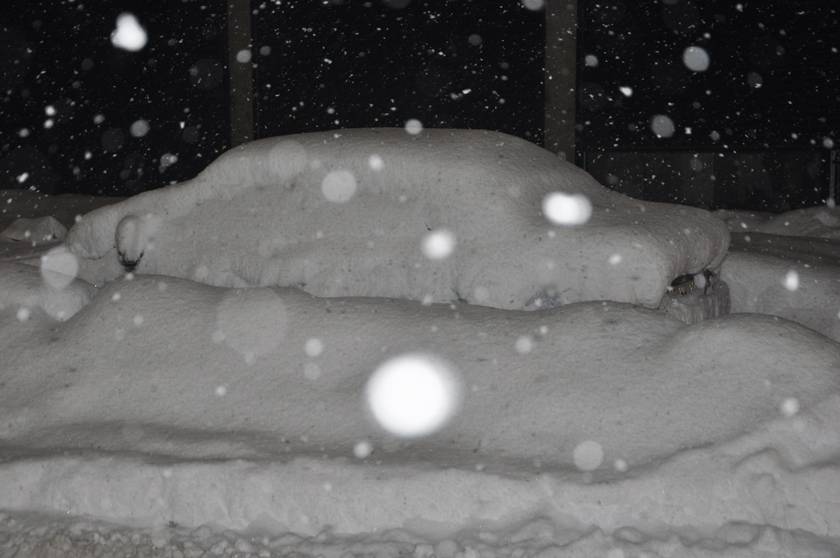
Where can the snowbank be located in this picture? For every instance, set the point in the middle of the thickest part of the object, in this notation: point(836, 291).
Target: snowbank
point(16, 204)
point(604, 372)
point(346, 213)
point(766, 494)
point(801, 250)
point(30, 221)
point(23, 287)
point(40, 229)
point(168, 400)
point(771, 278)
point(817, 222)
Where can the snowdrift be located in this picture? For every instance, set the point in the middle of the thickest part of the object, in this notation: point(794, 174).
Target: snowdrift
point(172, 401)
point(345, 213)
point(815, 222)
point(64, 208)
point(611, 373)
point(794, 278)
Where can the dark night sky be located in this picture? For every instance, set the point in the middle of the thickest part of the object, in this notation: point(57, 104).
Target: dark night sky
point(774, 78)
point(772, 83)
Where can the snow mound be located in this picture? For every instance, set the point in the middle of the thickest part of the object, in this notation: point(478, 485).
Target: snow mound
point(638, 384)
point(23, 290)
point(719, 502)
point(15, 204)
point(346, 213)
point(37, 230)
point(59, 537)
point(780, 283)
point(817, 222)
point(770, 493)
point(718, 437)
point(803, 250)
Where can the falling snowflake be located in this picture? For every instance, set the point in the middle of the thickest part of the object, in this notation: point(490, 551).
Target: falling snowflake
point(588, 455)
point(314, 347)
point(790, 406)
point(413, 126)
point(438, 244)
point(791, 280)
point(59, 267)
point(362, 449)
point(167, 160)
point(533, 4)
point(413, 394)
point(696, 59)
point(524, 344)
point(376, 163)
point(129, 34)
point(662, 126)
point(139, 128)
point(339, 186)
point(567, 209)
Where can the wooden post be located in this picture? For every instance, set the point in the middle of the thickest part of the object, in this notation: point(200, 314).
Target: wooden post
point(241, 75)
point(560, 76)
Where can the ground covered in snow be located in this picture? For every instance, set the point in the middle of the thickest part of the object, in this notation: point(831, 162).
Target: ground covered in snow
point(157, 415)
point(587, 430)
point(815, 222)
point(786, 265)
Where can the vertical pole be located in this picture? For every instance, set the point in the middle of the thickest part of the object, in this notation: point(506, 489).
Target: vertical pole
point(241, 76)
point(560, 76)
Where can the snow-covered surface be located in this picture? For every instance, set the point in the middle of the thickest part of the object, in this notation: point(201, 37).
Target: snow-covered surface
point(786, 265)
point(797, 278)
point(816, 222)
point(168, 417)
point(800, 249)
point(604, 372)
point(39, 229)
point(42, 216)
point(165, 400)
point(345, 214)
point(15, 204)
point(23, 286)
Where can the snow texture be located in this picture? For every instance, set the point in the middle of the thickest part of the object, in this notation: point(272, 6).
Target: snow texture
point(606, 372)
point(23, 287)
point(15, 204)
point(147, 437)
point(208, 421)
point(52, 536)
point(41, 229)
point(817, 222)
point(757, 284)
point(261, 215)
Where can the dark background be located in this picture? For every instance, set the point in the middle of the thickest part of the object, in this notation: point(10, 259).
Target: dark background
point(768, 102)
point(774, 78)
point(754, 131)
point(59, 54)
